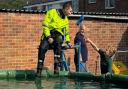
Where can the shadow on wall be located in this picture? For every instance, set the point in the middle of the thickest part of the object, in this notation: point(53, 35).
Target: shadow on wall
point(123, 46)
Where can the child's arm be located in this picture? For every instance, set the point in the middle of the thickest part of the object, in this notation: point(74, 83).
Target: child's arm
point(92, 44)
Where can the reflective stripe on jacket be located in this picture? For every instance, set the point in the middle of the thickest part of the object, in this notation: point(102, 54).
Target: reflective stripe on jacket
point(53, 21)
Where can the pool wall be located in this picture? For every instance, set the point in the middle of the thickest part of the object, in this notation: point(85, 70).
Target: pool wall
point(30, 74)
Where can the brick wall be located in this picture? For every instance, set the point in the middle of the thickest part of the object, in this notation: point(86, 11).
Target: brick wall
point(20, 36)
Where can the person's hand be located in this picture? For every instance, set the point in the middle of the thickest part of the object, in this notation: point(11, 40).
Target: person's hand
point(50, 40)
point(64, 45)
point(69, 45)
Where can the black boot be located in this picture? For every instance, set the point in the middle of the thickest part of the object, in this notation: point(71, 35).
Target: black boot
point(39, 71)
point(39, 68)
point(56, 68)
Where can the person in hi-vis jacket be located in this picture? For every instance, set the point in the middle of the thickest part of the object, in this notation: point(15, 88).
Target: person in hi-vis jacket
point(55, 33)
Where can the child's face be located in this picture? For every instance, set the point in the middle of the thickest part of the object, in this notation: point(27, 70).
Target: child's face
point(82, 28)
point(82, 31)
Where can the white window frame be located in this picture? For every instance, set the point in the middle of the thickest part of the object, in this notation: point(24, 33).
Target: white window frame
point(108, 4)
point(91, 1)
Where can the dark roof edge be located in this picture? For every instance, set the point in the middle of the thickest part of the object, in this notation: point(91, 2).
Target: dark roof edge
point(22, 11)
point(75, 13)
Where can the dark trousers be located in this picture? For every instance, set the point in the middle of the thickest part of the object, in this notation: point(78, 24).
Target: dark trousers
point(76, 59)
point(44, 46)
point(84, 55)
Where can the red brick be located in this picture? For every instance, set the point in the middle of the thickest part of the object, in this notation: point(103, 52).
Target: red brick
point(20, 37)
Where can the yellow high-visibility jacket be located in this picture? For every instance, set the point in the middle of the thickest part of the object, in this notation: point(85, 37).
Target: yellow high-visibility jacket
point(53, 21)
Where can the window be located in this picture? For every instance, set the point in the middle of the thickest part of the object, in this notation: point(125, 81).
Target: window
point(109, 4)
point(91, 1)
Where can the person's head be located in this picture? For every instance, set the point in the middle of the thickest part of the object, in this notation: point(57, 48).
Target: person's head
point(82, 28)
point(110, 51)
point(67, 8)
